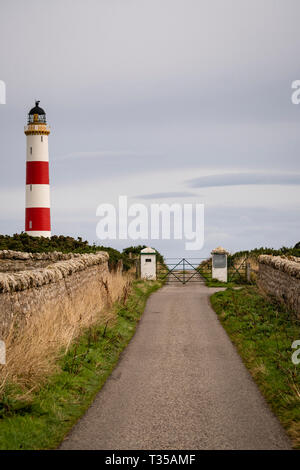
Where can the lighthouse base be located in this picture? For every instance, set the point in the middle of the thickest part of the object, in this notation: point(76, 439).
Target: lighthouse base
point(36, 233)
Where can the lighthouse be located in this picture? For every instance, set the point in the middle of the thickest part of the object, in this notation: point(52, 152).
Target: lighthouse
point(37, 212)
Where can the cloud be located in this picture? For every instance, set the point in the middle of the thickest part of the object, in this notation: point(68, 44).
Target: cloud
point(133, 112)
point(237, 179)
point(106, 153)
point(166, 195)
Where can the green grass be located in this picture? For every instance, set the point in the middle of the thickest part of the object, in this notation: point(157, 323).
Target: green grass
point(263, 331)
point(235, 281)
point(43, 421)
point(216, 283)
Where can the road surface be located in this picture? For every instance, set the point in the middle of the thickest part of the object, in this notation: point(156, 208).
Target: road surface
point(180, 384)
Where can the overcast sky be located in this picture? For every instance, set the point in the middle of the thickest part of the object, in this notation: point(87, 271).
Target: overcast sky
point(162, 101)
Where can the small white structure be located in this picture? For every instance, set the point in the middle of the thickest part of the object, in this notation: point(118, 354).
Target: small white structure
point(219, 264)
point(148, 263)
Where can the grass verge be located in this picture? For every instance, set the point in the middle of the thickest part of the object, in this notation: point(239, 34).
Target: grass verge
point(216, 283)
point(263, 332)
point(42, 421)
point(209, 282)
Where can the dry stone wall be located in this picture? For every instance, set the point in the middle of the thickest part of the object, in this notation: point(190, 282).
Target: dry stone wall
point(12, 261)
point(280, 277)
point(66, 281)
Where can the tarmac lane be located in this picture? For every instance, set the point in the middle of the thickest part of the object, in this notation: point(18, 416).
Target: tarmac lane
point(179, 384)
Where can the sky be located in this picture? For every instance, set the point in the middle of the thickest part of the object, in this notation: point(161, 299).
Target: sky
point(164, 101)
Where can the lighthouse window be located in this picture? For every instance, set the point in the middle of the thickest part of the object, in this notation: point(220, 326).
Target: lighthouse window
point(31, 187)
point(30, 150)
point(41, 138)
point(148, 260)
point(30, 223)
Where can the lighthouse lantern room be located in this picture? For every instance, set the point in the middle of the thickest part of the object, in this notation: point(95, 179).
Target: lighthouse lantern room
point(37, 212)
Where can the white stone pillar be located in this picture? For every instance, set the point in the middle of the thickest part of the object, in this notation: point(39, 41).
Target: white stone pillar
point(148, 263)
point(219, 264)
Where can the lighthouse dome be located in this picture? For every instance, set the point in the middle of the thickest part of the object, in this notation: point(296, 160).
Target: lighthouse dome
point(37, 111)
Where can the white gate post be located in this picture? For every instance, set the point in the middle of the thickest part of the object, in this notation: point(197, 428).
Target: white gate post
point(219, 264)
point(148, 263)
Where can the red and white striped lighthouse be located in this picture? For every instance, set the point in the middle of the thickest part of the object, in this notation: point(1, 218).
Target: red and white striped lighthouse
point(37, 216)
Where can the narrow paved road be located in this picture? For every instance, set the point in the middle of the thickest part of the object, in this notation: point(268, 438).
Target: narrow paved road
point(180, 384)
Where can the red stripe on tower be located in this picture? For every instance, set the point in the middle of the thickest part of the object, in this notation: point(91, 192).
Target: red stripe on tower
point(37, 172)
point(37, 219)
point(37, 214)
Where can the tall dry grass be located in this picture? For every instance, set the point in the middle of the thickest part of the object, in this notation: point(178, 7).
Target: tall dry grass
point(32, 350)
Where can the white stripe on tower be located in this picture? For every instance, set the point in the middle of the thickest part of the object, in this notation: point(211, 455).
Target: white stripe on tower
point(37, 213)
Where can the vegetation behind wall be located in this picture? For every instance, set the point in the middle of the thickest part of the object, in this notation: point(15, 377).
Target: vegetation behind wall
point(256, 252)
point(24, 242)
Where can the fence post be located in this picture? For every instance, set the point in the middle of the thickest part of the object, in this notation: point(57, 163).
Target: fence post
point(248, 272)
point(137, 268)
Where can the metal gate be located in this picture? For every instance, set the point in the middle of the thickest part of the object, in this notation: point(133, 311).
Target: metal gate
point(237, 270)
point(185, 270)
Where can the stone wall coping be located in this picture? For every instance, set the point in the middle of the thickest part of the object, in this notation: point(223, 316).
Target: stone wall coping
point(289, 266)
point(22, 280)
point(24, 256)
point(219, 251)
